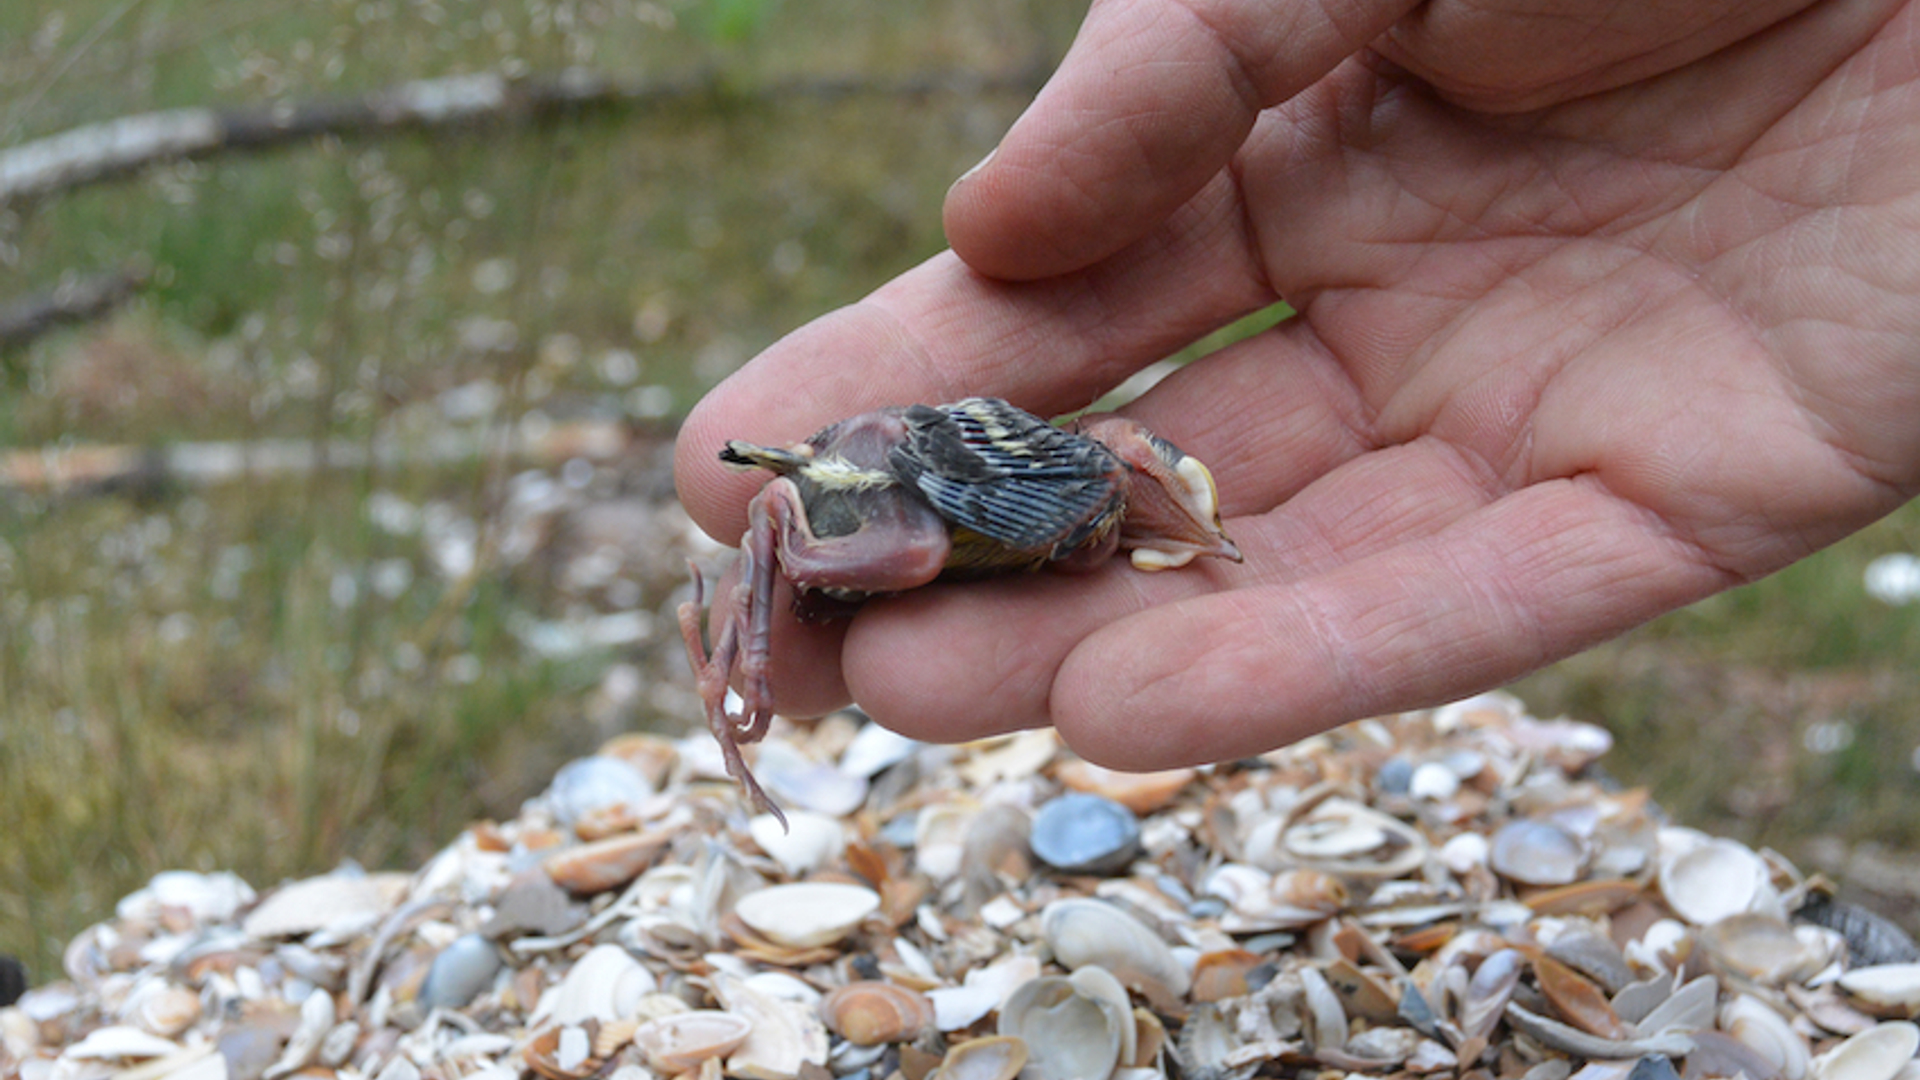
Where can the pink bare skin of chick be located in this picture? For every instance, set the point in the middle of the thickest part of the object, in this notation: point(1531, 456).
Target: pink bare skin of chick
point(891, 500)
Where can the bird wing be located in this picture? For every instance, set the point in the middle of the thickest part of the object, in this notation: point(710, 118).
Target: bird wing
point(1009, 475)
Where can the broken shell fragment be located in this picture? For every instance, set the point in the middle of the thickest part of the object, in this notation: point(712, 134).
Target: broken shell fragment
point(996, 1057)
point(784, 1036)
point(564, 1052)
point(1344, 837)
point(1070, 1034)
point(807, 914)
point(680, 1042)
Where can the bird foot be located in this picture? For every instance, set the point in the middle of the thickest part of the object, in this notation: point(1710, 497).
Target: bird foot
point(712, 673)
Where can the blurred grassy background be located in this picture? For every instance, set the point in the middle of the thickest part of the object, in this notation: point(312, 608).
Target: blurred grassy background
point(272, 675)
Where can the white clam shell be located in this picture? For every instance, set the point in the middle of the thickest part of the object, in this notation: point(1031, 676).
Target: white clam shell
point(606, 984)
point(1706, 881)
point(121, 1041)
point(326, 901)
point(808, 842)
point(1893, 987)
point(807, 914)
point(875, 749)
point(1878, 1053)
point(1433, 780)
point(1768, 1034)
point(1083, 932)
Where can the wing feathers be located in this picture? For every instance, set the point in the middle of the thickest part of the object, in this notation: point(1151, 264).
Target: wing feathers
point(1010, 476)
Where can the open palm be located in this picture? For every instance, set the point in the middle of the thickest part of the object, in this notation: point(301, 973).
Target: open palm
point(1601, 311)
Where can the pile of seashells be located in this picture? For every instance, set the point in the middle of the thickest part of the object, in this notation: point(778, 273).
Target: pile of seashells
point(1453, 893)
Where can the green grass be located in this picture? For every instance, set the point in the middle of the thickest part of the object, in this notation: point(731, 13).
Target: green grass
point(186, 682)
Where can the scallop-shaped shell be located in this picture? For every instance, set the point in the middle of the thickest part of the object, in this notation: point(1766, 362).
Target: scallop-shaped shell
point(997, 1057)
point(870, 1013)
point(680, 1042)
point(1082, 932)
point(808, 914)
point(319, 902)
point(1878, 1053)
point(1070, 1034)
point(1206, 1041)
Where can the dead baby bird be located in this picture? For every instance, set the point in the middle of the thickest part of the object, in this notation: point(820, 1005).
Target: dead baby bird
point(890, 500)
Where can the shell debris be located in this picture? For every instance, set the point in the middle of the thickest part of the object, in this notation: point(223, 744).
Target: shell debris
point(1447, 893)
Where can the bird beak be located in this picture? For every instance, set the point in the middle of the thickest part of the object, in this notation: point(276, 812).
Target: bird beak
point(1173, 508)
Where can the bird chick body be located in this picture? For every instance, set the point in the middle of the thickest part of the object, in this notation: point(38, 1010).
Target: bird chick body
point(893, 499)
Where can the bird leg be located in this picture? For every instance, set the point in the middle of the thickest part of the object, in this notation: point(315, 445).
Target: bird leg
point(901, 544)
point(711, 674)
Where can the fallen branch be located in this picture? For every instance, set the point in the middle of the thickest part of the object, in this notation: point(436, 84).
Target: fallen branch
point(97, 152)
point(93, 469)
point(75, 301)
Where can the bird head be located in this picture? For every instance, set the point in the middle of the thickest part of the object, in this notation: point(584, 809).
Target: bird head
point(1173, 508)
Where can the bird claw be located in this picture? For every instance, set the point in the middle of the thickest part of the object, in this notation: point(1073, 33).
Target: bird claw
point(712, 674)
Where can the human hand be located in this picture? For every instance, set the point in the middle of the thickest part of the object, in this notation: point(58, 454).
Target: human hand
point(1601, 311)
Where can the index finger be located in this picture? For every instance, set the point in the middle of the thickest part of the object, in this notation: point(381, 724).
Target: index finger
point(1151, 102)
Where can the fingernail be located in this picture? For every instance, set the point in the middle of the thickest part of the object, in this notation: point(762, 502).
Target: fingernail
point(978, 165)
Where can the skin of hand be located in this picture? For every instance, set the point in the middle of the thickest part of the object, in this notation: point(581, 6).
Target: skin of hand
point(1602, 309)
